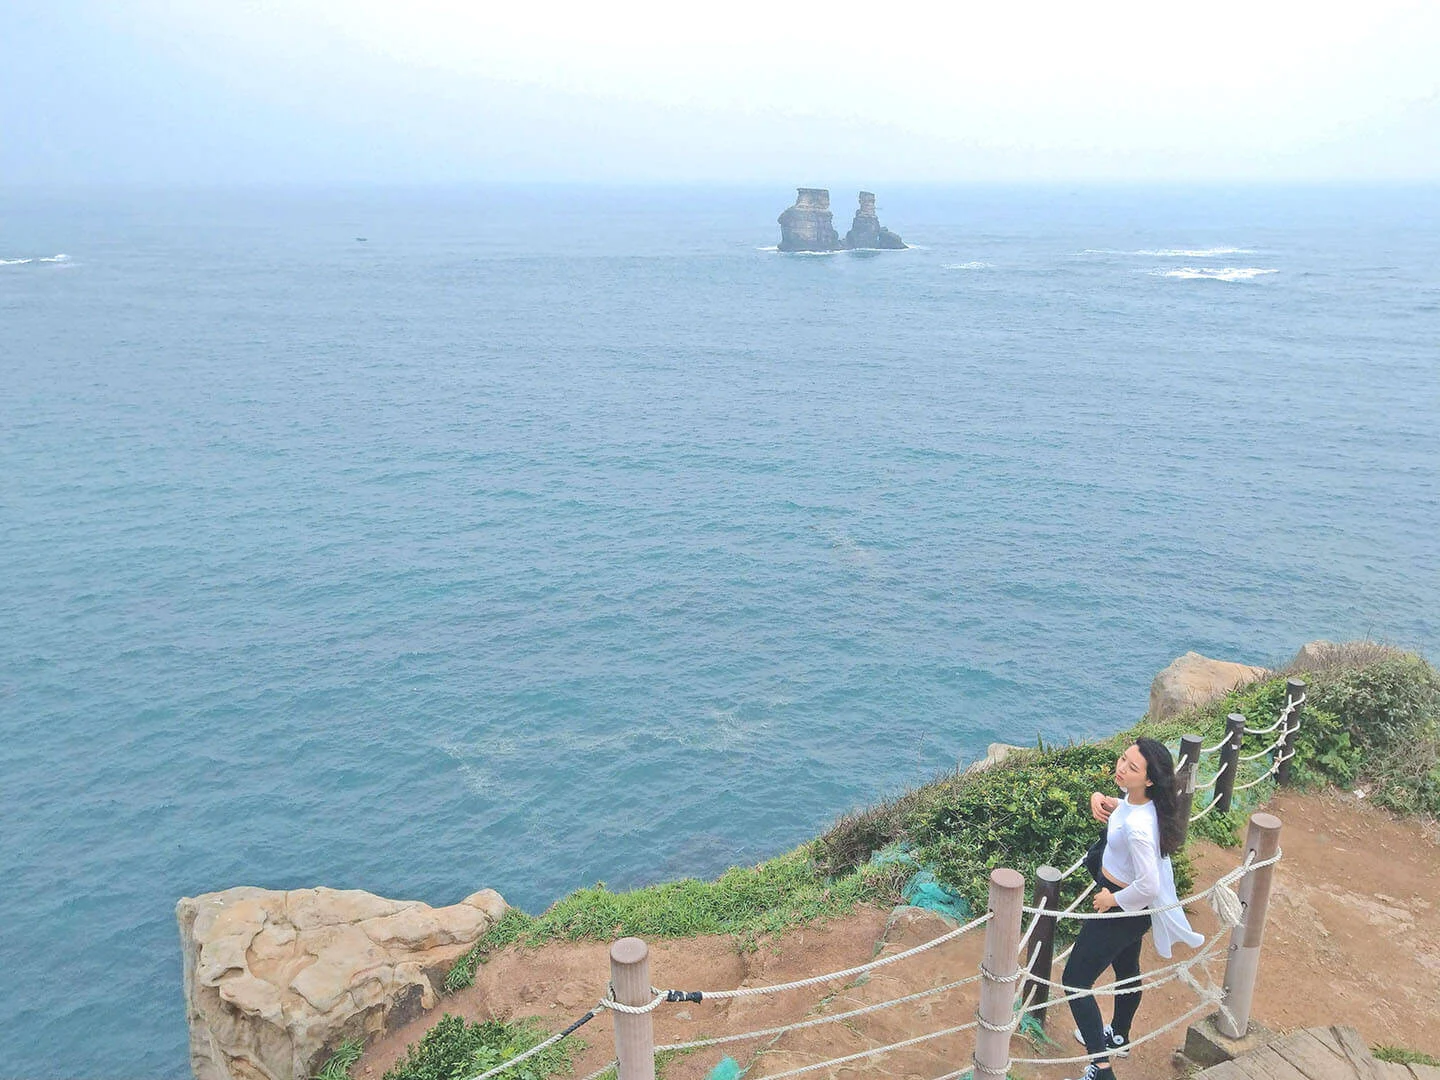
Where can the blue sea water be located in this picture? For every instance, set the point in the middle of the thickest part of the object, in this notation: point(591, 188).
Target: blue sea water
point(559, 535)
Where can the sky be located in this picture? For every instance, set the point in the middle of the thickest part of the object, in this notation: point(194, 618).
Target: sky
point(638, 91)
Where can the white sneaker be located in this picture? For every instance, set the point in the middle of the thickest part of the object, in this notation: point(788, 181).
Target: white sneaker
point(1118, 1045)
point(1091, 1072)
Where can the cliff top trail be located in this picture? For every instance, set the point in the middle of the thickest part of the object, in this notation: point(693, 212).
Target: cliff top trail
point(1353, 937)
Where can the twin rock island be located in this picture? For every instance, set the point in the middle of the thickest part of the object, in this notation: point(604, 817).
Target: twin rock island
point(809, 225)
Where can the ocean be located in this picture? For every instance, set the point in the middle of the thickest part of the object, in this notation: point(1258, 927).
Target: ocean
point(556, 535)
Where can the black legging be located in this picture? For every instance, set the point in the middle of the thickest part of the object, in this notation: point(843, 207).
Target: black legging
point(1105, 943)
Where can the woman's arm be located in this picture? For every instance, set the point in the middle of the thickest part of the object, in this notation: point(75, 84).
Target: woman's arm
point(1145, 856)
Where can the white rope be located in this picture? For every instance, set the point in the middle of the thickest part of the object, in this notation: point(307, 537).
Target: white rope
point(1025, 938)
point(527, 1054)
point(633, 1010)
point(1073, 867)
point(750, 991)
point(1249, 866)
point(1196, 817)
point(872, 1052)
point(1076, 902)
point(601, 1072)
point(1280, 759)
point(1149, 981)
point(1290, 707)
point(1212, 781)
point(698, 1043)
point(1261, 753)
point(1218, 746)
point(1206, 1004)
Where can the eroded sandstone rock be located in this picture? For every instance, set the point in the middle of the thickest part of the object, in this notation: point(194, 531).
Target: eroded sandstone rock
point(1195, 680)
point(809, 225)
point(866, 230)
point(275, 980)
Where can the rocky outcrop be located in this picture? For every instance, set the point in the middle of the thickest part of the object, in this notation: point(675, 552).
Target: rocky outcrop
point(1196, 680)
point(275, 980)
point(809, 225)
point(866, 230)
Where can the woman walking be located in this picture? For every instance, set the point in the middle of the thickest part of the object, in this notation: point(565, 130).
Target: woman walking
point(1141, 832)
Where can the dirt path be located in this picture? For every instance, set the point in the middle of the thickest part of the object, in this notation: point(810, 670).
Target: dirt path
point(1353, 937)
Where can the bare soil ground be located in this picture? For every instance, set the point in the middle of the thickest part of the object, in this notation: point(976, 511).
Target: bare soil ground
point(1353, 937)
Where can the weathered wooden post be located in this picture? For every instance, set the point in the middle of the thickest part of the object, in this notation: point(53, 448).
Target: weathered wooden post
point(1263, 838)
point(1041, 956)
point(1186, 774)
point(997, 974)
point(634, 1033)
point(1294, 691)
point(1230, 760)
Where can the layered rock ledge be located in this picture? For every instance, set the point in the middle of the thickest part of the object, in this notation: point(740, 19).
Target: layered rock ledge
point(274, 981)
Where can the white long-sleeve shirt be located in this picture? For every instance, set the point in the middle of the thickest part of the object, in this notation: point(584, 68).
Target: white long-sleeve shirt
point(1132, 854)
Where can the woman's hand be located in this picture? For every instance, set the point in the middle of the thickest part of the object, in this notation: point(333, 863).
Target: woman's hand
point(1102, 806)
point(1104, 900)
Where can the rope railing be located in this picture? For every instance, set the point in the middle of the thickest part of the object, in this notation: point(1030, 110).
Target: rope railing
point(1026, 989)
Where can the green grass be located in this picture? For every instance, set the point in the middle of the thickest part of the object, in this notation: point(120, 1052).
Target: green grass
point(338, 1067)
point(455, 1050)
point(1401, 1056)
point(748, 902)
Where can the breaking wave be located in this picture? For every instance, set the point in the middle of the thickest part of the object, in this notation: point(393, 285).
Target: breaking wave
point(14, 262)
point(976, 265)
point(43, 258)
point(1211, 273)
point(1173, 253)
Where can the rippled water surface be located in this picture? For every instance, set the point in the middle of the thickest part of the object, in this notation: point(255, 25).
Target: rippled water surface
point(553, 536)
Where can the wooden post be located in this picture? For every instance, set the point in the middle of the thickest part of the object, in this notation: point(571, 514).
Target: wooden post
point(1230, 760)
point(1041, 956)
point(1263, 839)
point(997, 986)
point(634, 1034)
point(1294, 691)
point(1185, 776)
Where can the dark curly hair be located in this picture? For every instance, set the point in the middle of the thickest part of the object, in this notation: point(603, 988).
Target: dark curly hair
point(1160, 769)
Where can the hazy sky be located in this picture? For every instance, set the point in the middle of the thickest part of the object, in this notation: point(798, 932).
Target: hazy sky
point(633, 90)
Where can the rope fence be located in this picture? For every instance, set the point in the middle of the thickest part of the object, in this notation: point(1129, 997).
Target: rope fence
point(1013, 986)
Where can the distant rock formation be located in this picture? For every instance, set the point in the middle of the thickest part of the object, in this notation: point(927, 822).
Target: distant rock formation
point(809, 225)
point(275, 980)
point(1196, 680)
point(867, 232)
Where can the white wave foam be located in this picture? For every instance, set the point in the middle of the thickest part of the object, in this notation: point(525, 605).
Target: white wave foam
point(1194, 253)
point(772, 247)
point(56, 258)
point(1211, 273)
point(14, 262)
point(1173, 253)
point(976, 265)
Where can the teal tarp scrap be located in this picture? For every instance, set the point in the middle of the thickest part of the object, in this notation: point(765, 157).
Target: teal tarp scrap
point(924, 891)
point(728, 1069)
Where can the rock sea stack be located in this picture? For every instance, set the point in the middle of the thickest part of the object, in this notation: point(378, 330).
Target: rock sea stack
point(810, 226)
point(866, 230)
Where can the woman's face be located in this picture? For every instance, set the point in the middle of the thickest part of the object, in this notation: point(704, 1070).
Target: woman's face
point(1130, 771)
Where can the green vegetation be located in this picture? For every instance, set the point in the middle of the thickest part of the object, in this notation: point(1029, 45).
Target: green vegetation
point(747, 902)
point(338, 1067)
point(1371, 719)
point(455, 1050)
point(1401, 1056)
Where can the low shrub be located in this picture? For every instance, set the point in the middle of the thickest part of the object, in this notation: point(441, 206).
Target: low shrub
point(455, 1050)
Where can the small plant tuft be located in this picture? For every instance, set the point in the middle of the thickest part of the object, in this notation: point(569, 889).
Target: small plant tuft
point(345, 1056)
